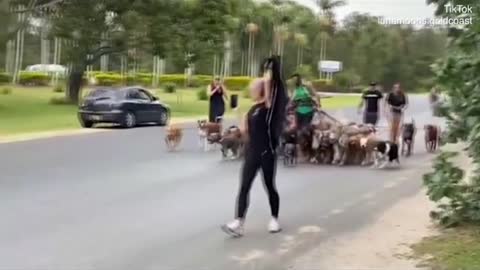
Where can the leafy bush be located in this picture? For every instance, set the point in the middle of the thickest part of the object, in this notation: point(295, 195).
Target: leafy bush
point(323, 86)
point(6, 91)
point(202, 94)
point(5, 78)
point(457, 74)
point(170, 88)
point(178, 79)
point(145, 79)
point(59, 101)
point(347, 80)
point(59, 89)
point(237, 83)
point(246, 92)
point(104, 79)
point(34, 79)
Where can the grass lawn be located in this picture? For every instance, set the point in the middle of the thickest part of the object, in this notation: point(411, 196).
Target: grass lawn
point(28, 109)
point(454, 249)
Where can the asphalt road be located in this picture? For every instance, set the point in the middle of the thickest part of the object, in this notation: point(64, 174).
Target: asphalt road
point(117, 200)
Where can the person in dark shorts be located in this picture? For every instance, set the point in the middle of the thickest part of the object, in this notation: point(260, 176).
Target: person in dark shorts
point(397, 102)
point(371, 100)
point(262, 127)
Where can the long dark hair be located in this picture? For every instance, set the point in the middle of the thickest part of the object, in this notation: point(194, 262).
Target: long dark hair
point(278, 96)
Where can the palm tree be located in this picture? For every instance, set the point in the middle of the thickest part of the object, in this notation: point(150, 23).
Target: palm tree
point(252, 30)
point(301, 40)
point(327, 22)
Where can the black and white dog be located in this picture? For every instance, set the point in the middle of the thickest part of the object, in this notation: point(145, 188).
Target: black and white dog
point(386, 153)
point(289, 148)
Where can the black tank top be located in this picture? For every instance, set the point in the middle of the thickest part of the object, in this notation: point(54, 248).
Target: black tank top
point(217, 97)
point(259, 139)
point(398, 101)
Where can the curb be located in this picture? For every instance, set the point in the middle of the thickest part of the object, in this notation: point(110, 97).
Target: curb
point(46, 134)
point(69, 132)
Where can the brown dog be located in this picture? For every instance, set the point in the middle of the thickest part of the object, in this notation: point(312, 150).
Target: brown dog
point(173, 137)
point(232, 141)
point(432, 137)
point(209, 133)
point(408, 138)
point(368, 144)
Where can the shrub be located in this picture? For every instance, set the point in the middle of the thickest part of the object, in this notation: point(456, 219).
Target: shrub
point(5, 78)
point(34, 79)
point(178, 79)
point(6, 91)
point(458, 193)
point(139, 80)
point(324, 86)
point(202, 94)
point(237, 83)
point(59, 101)
point(108, 79)
point(346, 80)
point(59, 89)
point(170, 88)
point(246, 92)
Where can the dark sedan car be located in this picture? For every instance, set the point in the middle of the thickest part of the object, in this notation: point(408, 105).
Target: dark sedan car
point(126, 106)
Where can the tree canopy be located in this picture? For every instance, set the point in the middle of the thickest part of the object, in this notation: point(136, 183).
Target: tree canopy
point(172, 29)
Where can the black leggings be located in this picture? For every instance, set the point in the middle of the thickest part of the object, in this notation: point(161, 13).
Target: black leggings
point(254, 162)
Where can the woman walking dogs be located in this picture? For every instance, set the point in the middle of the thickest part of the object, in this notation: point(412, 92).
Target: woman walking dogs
point(397, 103)
point(217, 93)
point(262, 126)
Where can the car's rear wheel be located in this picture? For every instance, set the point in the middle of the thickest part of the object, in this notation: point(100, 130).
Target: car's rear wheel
point(164, 118)
point(129, 120)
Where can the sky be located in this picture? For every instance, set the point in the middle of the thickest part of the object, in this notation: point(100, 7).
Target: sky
point(391, 9)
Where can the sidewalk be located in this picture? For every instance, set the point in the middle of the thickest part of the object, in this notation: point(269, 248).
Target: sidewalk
point(384, 244)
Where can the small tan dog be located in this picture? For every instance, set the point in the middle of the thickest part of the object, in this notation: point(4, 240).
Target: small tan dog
point(173, 137)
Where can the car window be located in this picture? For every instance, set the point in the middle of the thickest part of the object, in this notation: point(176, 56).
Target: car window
point(144, 95)
point(138, 94)
point(105, 93)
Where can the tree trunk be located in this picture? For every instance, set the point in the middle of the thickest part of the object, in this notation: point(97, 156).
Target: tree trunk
point(75, 83)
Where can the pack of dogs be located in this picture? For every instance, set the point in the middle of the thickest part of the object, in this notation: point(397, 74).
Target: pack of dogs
point(326, 141)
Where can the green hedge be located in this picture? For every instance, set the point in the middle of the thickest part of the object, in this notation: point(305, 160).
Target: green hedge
point(108, 79)
point(34, 79)
point(145, 79)
point(324, 86)
point(237, 83)
point(5, 78)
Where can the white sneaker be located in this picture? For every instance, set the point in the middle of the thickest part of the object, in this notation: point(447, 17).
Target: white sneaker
point(234, 228)
point(274, 226)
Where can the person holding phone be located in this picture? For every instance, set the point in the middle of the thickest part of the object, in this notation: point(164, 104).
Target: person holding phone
point(217, 94)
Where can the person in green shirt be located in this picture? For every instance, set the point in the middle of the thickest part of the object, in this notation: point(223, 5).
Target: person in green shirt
point(303, 99)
